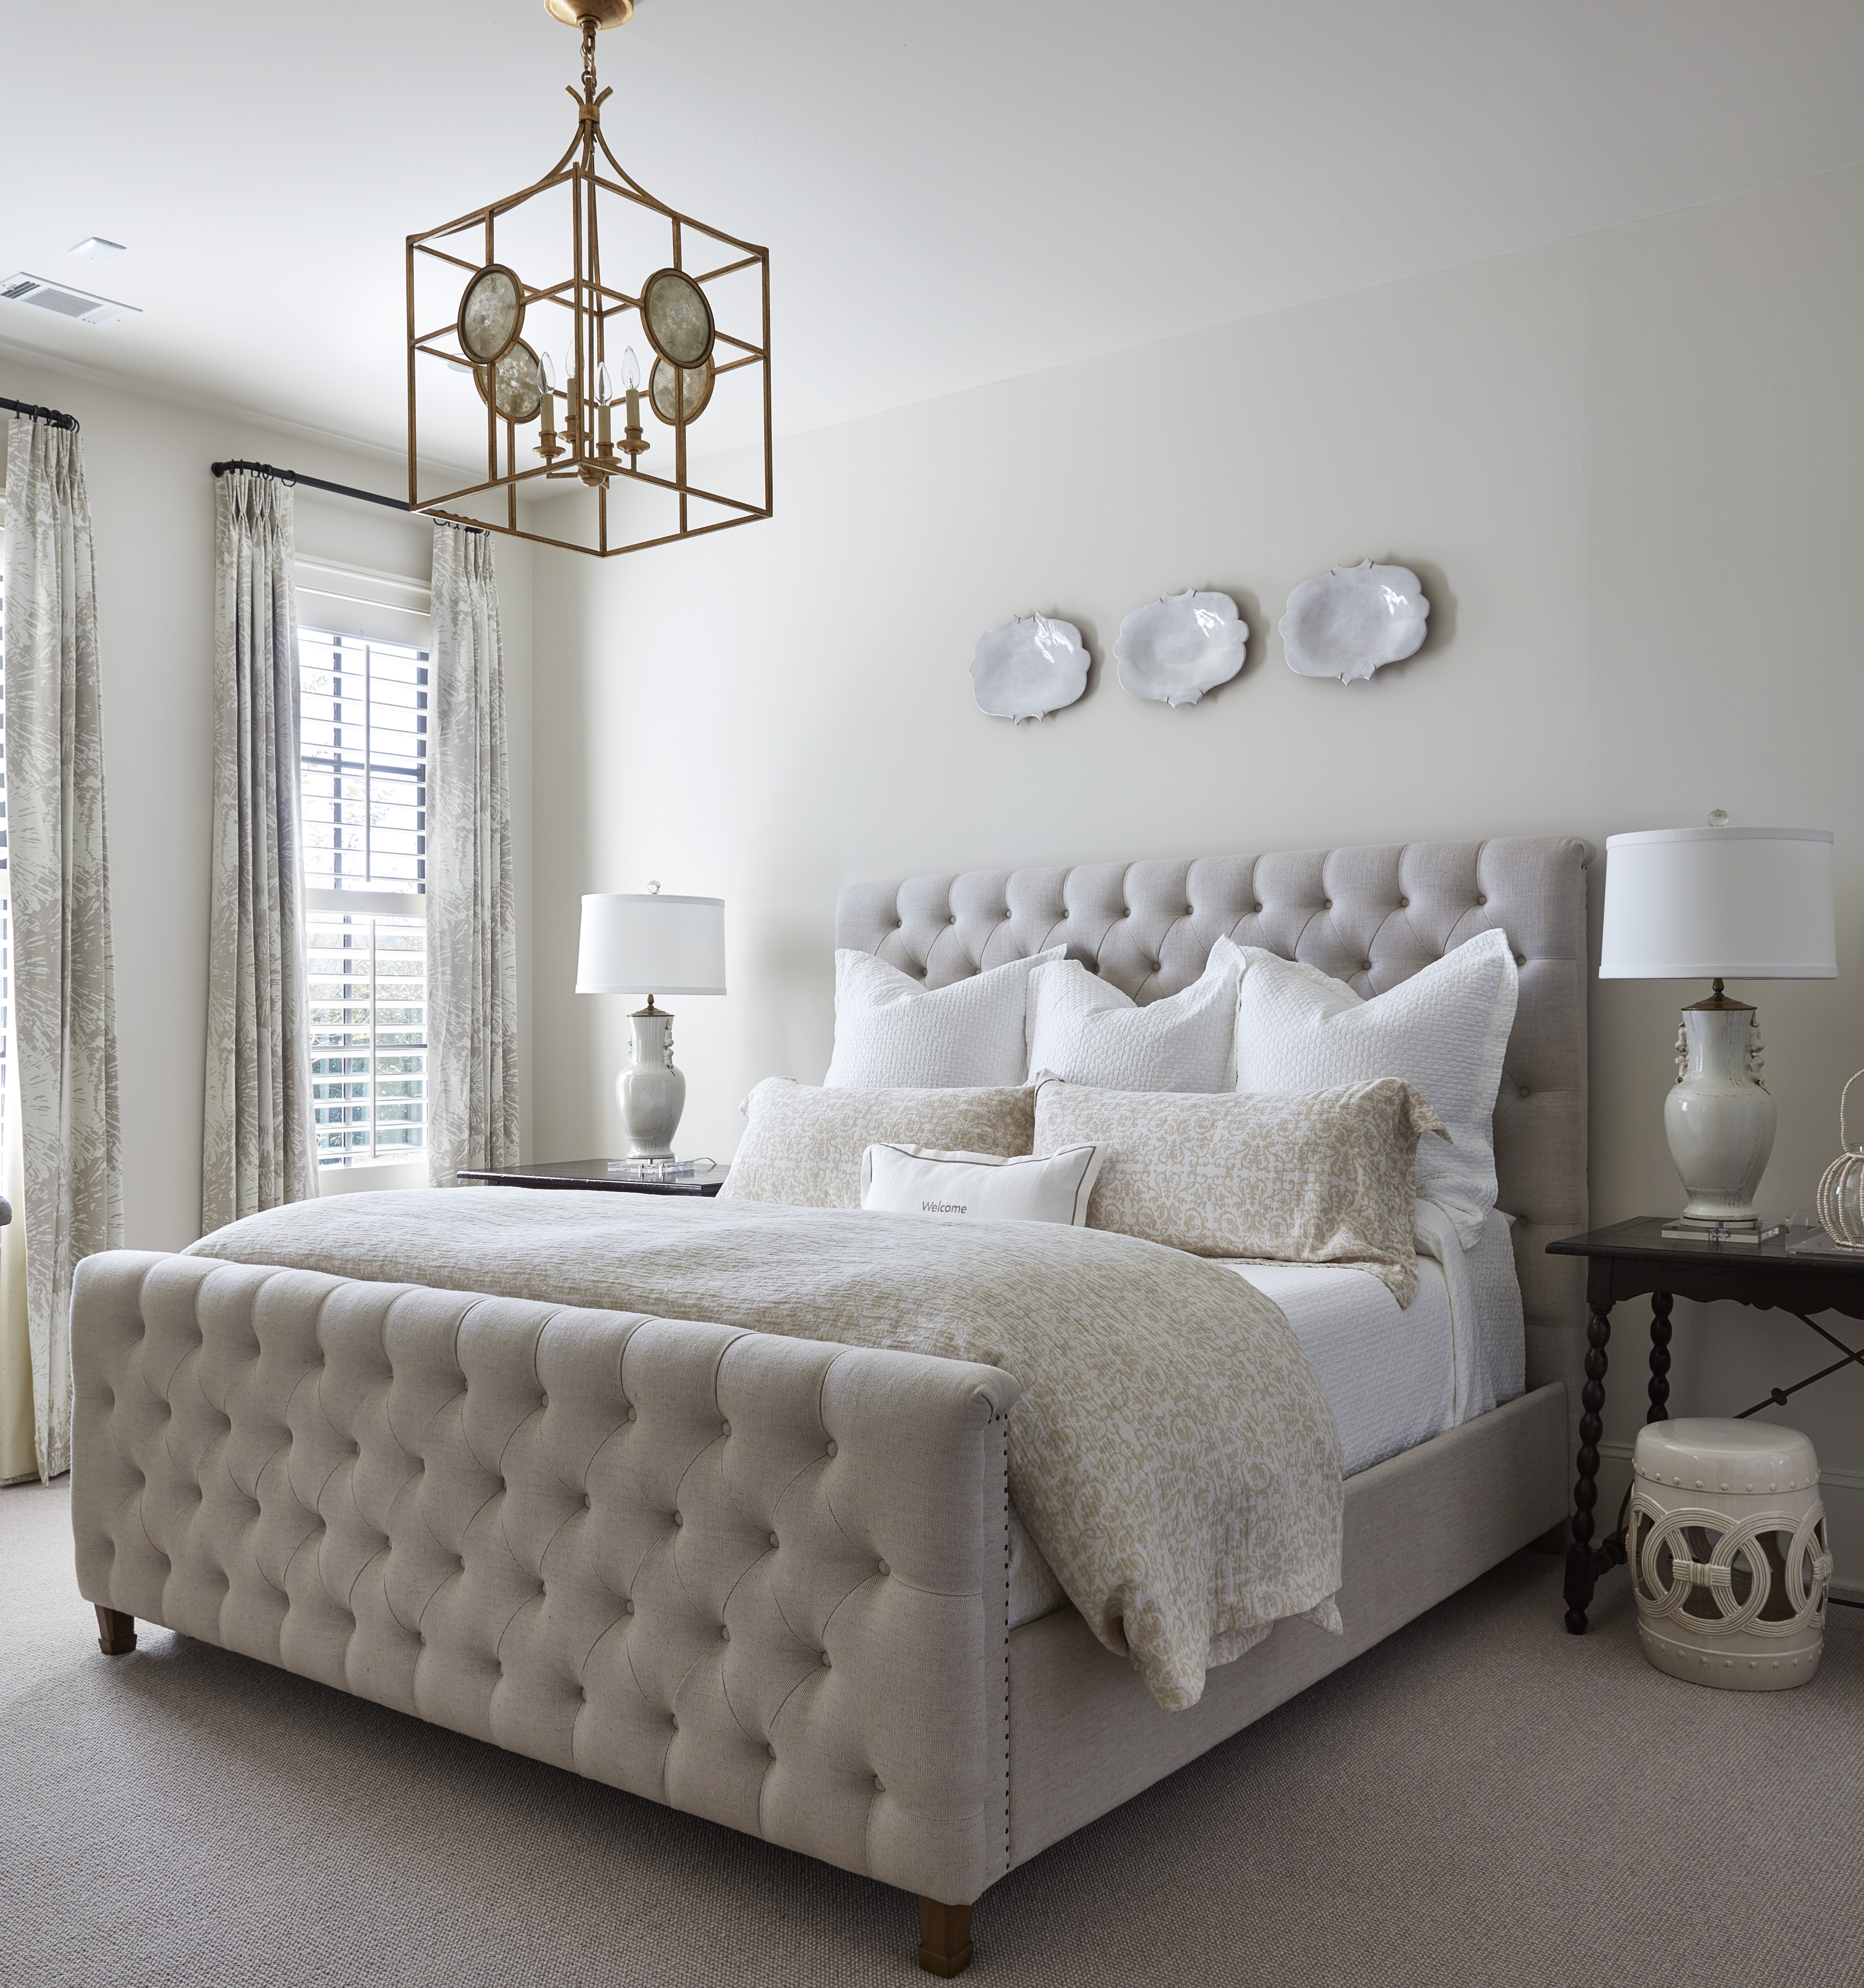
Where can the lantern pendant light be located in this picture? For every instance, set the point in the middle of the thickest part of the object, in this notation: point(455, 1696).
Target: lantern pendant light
point(527, 296)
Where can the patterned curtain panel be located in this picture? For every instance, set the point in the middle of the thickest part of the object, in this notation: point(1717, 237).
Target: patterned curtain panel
point(257, 1149)
point(472, 969)
point(63, 1010)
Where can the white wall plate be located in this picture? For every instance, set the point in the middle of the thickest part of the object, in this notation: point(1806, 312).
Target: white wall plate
point(1354, 621)
point(1176, 647)
point(1028, 667)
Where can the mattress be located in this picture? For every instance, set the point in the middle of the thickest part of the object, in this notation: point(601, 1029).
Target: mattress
point(1393, 1377)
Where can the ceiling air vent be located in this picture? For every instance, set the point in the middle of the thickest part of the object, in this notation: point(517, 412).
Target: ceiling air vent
point(64, 302)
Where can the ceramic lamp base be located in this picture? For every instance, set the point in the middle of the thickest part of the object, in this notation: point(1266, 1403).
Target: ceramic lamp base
point(1719, 1118)
point(651, 1091)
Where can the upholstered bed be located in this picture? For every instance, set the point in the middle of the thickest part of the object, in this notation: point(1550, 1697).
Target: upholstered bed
point(768, 1579)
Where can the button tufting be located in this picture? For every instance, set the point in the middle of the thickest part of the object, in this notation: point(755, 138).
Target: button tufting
point(771, 1751)
point(1327, 904)
point(543, 1400)
point(830, 1450)
point(773, 1540)
point(627, 1608)
point(1482, 900)
point(630, 1412)
point(1520, 959)
point(725, 1428)
point(588, 1502)
point(677, 1520)
point(1404, 904)
point(882, 1566)
point(1365, 966)
point(674, 1718)
point(826, 1665)
point(1256, 909)
point(725, 1632)
point(1523, 1090)
point(880, 1786)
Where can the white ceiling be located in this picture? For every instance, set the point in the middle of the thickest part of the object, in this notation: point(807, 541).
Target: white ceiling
point(952, 194)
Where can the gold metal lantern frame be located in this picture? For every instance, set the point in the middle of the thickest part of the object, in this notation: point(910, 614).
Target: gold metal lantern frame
point(570, 441)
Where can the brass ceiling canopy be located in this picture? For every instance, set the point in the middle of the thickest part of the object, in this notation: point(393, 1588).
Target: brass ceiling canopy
point(604, 13)
point(516, 294)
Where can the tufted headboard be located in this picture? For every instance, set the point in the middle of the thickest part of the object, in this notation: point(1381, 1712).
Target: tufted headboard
point(1370, 916)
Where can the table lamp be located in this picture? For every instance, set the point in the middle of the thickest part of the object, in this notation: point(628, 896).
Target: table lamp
point(651, 945)
point(1719, 903)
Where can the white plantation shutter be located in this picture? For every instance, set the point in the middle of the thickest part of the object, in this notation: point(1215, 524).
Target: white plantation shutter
point(364, 813)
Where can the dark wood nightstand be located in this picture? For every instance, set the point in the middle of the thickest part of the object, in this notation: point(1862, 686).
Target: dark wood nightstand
point(1633, 1257)
point(590, 1174)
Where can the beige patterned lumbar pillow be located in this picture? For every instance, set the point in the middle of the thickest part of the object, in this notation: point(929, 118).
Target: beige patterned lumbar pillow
point(1318, 1177)
point(804, 1144)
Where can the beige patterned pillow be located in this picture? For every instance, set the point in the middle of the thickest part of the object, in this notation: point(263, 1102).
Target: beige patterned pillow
point(1316, 1176)
point(804, 1143)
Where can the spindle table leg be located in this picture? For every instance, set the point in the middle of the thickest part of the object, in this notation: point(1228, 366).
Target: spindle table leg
point(1584, 1563)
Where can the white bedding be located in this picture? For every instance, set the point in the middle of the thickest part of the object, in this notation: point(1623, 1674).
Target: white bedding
point(1393, 1379)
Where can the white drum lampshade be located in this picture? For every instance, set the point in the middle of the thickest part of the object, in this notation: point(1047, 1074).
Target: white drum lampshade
point(1719, 903)
point(1730, 903)
point(651, 945)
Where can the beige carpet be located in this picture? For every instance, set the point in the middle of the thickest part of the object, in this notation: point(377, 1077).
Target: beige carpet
point(1483, 1800)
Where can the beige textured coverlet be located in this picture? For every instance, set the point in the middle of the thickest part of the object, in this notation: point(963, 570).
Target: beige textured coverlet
point(1173, 1454)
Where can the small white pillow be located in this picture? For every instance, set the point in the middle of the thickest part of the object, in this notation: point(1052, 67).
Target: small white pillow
point(1445, 1029)
point(1085, 1030)
point(917, 1180)
point(893, 1034)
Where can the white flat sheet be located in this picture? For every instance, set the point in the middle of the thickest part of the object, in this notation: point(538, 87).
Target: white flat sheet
point(1394, 1378)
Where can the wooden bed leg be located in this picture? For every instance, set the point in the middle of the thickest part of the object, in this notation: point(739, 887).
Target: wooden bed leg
point(944, 1937)
point(116, 1631)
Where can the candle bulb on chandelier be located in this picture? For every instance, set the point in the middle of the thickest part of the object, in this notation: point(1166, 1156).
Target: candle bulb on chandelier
point(546, 438)
point(630, 378)
point(605, 393)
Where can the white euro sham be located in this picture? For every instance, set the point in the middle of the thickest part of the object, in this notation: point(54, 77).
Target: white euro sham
point(891, 1033)
point(1445, 1029)
point(1086, 1031)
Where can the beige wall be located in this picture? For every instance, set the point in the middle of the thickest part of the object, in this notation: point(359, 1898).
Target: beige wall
point(1627, 467)
point(152, 509)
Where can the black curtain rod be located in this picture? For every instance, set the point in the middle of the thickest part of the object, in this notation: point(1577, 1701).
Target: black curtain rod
point(51, 414)
point(314, 482)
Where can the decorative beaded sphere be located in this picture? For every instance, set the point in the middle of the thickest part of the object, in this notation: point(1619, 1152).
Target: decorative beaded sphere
point(1841, 1191)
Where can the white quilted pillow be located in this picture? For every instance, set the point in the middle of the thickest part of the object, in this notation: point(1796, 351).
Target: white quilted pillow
point(1445, 1029)
point(891, 1033)
point(1085, 1030)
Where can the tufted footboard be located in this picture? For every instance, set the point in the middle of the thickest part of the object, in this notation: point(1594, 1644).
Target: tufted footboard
point(760, 1580)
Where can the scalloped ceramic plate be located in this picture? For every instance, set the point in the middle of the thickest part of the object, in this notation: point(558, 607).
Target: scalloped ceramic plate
point(1354, 621)
point(1028, 667)
point(1176, 647)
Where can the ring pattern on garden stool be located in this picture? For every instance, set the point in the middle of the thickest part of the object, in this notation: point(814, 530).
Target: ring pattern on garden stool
point(1728, 1551)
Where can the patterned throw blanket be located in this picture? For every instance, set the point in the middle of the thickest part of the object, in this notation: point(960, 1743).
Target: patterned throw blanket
point(1173, 1454)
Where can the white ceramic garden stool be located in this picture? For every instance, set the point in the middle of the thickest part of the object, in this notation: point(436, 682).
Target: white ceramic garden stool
point(1728, 1553)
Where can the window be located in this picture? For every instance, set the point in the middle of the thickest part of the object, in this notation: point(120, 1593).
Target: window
point(365, 810)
